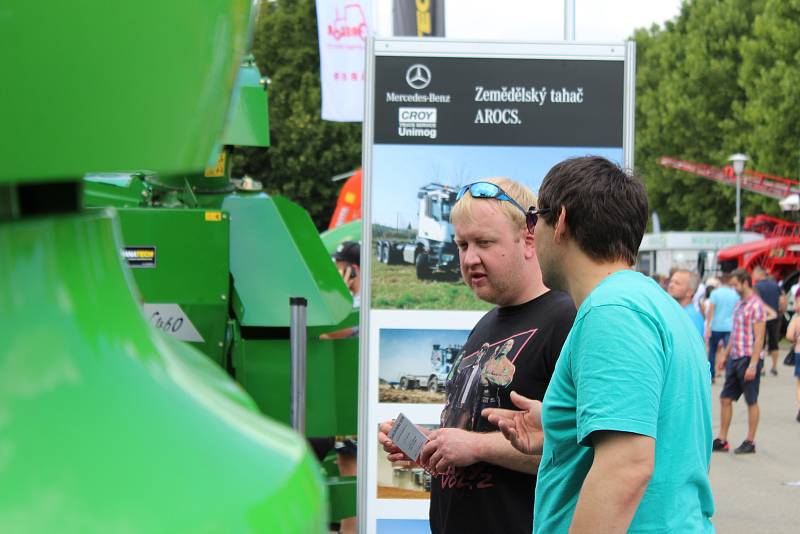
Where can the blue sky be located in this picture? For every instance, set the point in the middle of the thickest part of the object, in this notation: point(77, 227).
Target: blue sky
point(408, 351)
point(404, 526)
point(400, 170)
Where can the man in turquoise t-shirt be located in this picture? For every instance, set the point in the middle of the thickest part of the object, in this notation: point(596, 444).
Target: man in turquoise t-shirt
point(624, 431)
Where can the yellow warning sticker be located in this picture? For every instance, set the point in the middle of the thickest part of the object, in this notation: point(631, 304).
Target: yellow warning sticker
point(214, 216)
point(218, 169)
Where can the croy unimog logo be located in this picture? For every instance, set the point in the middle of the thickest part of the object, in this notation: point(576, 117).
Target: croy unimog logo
point(349, 24)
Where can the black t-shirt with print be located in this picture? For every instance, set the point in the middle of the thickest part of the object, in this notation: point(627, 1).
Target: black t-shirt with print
point(514, 348)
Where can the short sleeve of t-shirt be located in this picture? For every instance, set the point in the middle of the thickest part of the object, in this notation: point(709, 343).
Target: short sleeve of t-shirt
point(618, 369)
point(759, 313)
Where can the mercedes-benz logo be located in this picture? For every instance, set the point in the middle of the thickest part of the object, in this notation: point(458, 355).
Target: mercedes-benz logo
point(418, 76)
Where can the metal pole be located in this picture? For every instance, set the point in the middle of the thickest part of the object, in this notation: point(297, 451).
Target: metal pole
point(298, 339)
point(569, 20)
point(738, 206)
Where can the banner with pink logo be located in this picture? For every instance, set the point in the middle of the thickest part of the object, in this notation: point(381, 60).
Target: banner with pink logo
point(343, 27)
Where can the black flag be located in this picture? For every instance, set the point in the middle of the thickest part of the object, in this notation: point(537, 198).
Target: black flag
point(418, 18)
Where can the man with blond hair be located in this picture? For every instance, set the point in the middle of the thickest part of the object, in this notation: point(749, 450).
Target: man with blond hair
point(482, 483)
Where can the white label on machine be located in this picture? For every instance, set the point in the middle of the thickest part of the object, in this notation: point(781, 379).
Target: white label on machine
point(171, 319)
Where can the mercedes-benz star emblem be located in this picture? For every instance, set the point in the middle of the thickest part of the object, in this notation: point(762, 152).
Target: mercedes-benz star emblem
point(418, 76)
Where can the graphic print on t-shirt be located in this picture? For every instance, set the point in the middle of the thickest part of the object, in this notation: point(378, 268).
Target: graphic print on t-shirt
point(476, 379)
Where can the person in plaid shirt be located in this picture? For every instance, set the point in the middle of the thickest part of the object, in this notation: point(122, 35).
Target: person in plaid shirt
point(742, 362)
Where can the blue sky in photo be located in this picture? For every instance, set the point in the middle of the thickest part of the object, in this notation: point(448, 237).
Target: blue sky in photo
point(408, 351)
point(400, 170)
point(403, 526)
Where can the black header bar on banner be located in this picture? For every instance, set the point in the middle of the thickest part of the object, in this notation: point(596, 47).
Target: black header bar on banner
point(498, 101)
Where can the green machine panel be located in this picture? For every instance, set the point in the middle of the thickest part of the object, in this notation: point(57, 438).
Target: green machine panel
point(346, 232)
point(109, 425)
point(179, 258)
point(276, 253)
point(263, 368)
point(249, 124)
point(115, 85)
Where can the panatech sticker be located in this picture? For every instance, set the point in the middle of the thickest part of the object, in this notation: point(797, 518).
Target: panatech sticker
point(140, 257)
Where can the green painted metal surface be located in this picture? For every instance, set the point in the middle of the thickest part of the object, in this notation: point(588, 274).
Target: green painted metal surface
point(263, 368)
point(249, 125)
point(94, 86)
point(108, 425)
point(346, 232)
point(191, 267)
point(121, 190)
point(342, 493)
point(276, 254)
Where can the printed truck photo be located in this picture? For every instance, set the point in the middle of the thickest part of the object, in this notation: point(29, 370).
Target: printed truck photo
point(433, 251)
point(415, 364)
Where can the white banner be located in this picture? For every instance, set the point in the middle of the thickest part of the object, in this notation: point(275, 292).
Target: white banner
point(441, 114)
point(343, 27)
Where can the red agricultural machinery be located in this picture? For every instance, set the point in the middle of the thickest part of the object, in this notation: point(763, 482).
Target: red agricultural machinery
point(779, 252)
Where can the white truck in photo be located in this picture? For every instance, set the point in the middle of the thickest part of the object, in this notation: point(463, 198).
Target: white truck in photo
point(433, 251)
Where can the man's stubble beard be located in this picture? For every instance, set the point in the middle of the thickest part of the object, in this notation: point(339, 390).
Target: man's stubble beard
point(494, 294)
point(552, 275)
point(501, 291)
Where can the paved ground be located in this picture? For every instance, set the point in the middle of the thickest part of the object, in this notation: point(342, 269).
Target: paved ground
point(750, 491)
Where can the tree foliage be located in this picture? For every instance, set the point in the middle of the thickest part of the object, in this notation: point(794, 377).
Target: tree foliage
point(721, 78)
point(770, 76)
point(305, 151)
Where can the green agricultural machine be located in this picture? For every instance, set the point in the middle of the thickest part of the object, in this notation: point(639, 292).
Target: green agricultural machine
point(217, 263)
point(111, 419)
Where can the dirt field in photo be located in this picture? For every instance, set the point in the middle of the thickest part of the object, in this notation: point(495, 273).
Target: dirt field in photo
point(389, 492)
point(386, 393)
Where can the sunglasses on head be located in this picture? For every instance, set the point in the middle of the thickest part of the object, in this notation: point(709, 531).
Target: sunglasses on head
point(490, 190)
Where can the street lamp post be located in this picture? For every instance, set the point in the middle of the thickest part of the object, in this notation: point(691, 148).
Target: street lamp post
point(738, 161)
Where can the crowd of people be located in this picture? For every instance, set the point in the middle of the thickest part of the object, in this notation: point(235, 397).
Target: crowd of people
point(742, 317)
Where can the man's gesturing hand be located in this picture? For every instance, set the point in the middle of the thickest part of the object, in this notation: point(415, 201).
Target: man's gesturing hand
point(523, 429)
point(449, 447)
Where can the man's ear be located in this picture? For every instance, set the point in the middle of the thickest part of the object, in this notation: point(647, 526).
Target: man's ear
point(561, 232)
point(530, 248)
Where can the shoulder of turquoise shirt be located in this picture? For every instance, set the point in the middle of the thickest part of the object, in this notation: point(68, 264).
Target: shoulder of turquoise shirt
point(621, 288)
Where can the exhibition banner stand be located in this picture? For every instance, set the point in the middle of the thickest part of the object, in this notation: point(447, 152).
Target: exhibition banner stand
point(441, 114)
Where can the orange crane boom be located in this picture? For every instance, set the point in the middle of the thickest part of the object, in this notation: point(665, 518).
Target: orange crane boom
point(757, 182)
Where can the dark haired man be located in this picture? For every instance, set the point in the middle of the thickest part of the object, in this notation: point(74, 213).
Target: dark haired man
point(743, 369)
point(625, 427)
point(770, 293)
point(483, 483)
point(347, 258)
